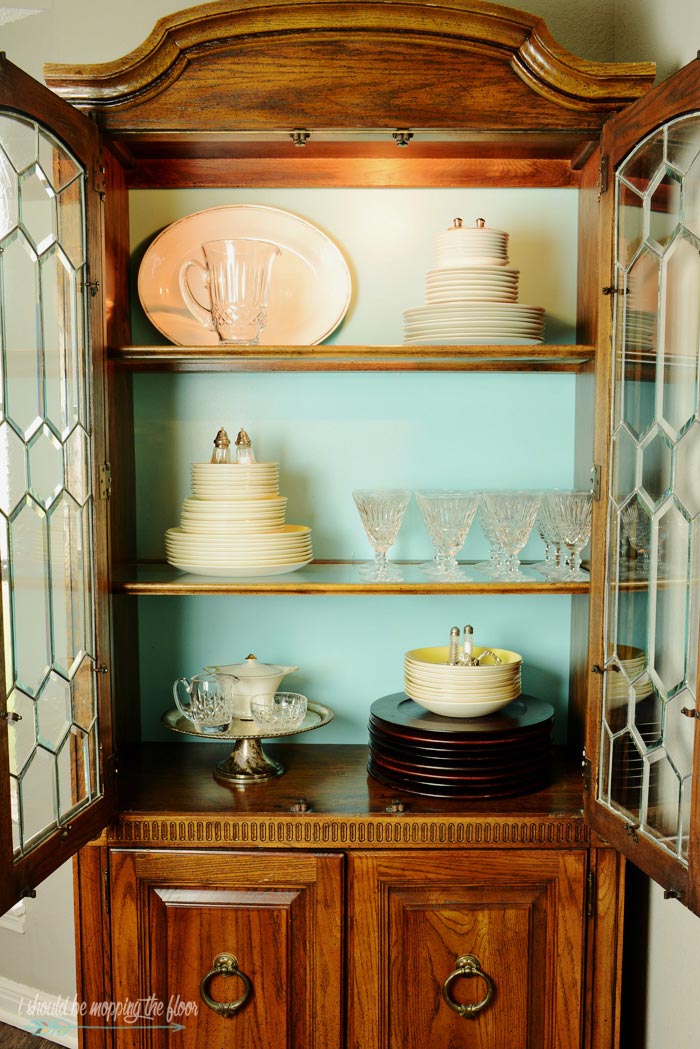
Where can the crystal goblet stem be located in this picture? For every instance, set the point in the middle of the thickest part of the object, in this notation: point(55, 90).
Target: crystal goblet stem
point(381, 511)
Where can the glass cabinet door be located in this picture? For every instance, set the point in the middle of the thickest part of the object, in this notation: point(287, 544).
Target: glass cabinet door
point(645, 768)
point(52, 715)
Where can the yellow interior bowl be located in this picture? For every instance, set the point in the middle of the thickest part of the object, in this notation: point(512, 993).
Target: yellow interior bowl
point(438, 656)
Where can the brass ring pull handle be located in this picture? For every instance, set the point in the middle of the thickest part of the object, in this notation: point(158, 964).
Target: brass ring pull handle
point(468, 965)
point(225, 965)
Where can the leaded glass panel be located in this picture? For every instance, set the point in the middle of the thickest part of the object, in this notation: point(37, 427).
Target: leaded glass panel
point(46, 498)
point(652, 618)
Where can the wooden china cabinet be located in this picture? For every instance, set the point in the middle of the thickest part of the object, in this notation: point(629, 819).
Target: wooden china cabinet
point(324, 909)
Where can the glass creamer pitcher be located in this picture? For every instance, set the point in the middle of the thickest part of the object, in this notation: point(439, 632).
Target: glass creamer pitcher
point(237, 275)
point(210, 701)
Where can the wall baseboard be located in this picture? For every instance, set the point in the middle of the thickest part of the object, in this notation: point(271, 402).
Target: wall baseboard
point(38, 1012)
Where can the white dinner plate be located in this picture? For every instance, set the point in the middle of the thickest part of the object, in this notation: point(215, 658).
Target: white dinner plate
point(471, 295)
point(471, 340)
point(234, 469)
point(265, 502)
point(457, 260)
point(486, 309)
point(472, 276)
point(225, 527)
point(234, 572)
point(230, 492)
point(310, 286)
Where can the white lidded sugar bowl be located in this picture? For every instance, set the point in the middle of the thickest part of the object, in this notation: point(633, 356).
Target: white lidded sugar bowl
point(253, 679)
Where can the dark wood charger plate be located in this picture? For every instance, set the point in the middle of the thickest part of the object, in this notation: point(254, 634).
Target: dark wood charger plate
point(398, 711)
point(464, 790)
point(499, 755)
point(406, 765)
point(403, 748)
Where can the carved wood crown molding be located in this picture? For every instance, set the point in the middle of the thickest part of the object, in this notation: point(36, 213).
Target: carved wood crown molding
point(309, 831)
point(517, 39)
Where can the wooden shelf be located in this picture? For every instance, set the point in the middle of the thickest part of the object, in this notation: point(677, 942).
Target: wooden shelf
point(323, 577)
point(176, 781)
point(538, 357)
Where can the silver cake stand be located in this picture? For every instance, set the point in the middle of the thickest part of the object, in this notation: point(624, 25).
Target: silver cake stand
point(248, 762)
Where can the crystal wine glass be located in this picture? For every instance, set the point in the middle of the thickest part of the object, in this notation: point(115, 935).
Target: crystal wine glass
point(382, 511)
point(549, 526)
point(512, 515)
point(575, 517)
point(447, 516)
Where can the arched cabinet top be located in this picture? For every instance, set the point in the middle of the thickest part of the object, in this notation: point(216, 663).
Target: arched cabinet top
point(460, 68)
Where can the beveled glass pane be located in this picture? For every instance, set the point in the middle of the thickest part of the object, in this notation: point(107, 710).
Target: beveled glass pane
point(45, 466)
point(71, 233)
point(31, 624)
point(19, 293)
point(46, 536)
point(639, 342)
point(683, 143)
point(679, 732)
point(664, 208)
point(691, 198)
point(59, 168)
point(73, 764)
point(671, 599)
point(656, 451)
point(69, 587)
point(61, 327)
point(635, 523)
point(20, 140)
point(664, 797)
point(54, 712)
point(9, 193)
point(13, 469)
point(688, 470)
point(630, 229)
point(22, 733)
point(626, 776)
point(38, 795)
point(624, 479)
point(77, 478)
point(14, 808)
point(37, 208)
point(681, 280)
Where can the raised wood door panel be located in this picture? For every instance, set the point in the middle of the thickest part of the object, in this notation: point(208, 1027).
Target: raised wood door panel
point(173, 914)
point(520, 914)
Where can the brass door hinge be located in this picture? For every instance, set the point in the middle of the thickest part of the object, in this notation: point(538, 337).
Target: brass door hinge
point(586, 767)
point(105, 481)
point(603, 175)
point(105, 890)
point(595, 481)
point(590, 894)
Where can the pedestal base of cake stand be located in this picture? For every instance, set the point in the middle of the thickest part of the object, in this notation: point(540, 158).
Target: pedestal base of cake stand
point(247, 763)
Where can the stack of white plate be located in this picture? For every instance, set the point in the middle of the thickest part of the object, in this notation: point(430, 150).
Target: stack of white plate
point(233, 516)
point(472, 284)
point(634, 663)
point(263, 553)
point(474, 322)
point(640, 330)
point(222, 481)
point(461, 691)
point(470, 246)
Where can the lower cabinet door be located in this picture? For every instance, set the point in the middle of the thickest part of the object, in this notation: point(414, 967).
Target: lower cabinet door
point(223, 949)
point(469, 950)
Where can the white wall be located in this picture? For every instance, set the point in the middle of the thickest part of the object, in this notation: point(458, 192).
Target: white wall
point(624, 30)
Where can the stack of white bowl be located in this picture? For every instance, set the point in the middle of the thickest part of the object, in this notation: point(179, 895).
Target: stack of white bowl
point(457, 691)
point(234, 524)
point(471, 293)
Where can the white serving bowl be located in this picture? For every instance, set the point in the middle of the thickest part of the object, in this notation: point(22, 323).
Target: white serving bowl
point(462, 710)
